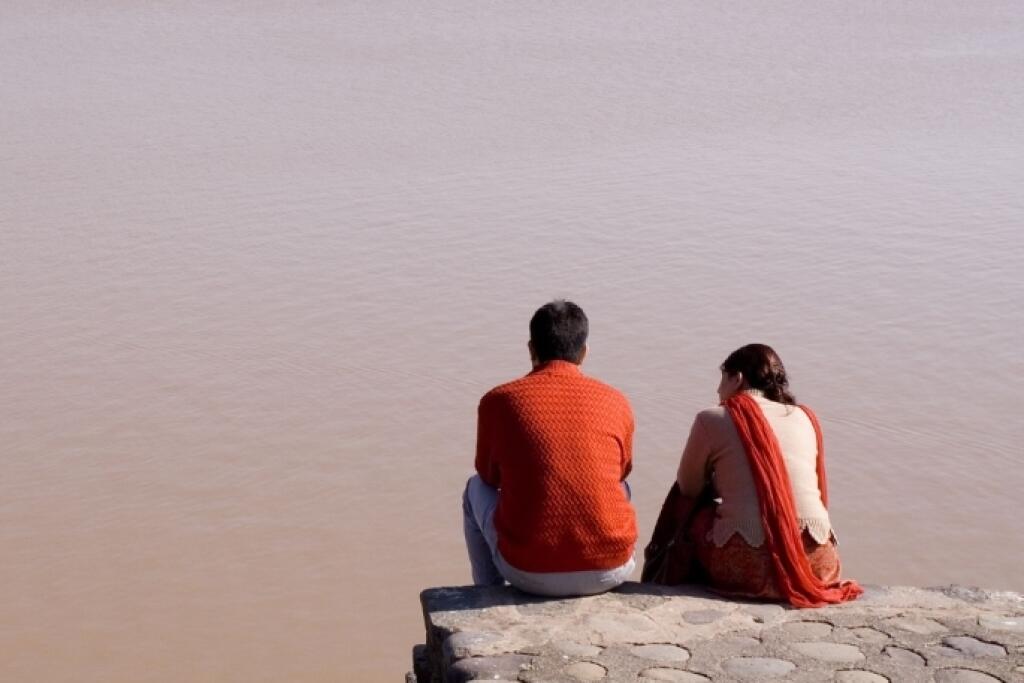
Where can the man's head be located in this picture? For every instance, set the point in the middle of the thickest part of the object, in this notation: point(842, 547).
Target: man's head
point(558, 331)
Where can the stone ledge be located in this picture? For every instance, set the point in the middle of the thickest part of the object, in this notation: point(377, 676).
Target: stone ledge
point(642, 632)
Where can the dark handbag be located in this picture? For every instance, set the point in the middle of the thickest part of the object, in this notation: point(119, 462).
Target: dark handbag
point(671, 556)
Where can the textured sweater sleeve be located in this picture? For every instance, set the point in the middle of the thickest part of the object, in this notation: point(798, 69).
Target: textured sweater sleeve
point(627, 444)
point(486, 428)
point(692, 476)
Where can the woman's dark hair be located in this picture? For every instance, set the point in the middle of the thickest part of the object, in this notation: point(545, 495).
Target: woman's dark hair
point(762, 369)
point(559, 331)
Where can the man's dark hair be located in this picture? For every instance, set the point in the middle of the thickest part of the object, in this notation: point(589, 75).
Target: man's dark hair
point(559, 331)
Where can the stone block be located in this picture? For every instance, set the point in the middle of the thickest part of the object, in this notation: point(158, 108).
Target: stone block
point(757, 668)
point(972, 647)
point(657, 633)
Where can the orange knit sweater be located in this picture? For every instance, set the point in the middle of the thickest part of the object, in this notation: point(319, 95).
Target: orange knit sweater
point(557, 444)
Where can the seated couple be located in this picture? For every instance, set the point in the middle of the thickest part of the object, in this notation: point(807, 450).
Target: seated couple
point(549, 509)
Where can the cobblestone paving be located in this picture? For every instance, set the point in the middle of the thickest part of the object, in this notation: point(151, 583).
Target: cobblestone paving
point(652, 633)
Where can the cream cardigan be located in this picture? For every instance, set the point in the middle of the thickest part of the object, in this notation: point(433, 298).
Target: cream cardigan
point(714, 454)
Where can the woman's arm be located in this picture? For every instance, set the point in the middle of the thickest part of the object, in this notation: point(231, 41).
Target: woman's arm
point(693, 474)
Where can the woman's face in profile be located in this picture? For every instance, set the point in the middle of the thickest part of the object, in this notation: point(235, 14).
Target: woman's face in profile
point(729, 385)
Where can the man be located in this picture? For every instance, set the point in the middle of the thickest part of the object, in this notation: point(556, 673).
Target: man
point(548, 509)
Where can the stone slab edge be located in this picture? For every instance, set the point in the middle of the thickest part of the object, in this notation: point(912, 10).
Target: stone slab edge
point(640, 632)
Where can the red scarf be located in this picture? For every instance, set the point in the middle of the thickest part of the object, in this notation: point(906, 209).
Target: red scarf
point(793, 575)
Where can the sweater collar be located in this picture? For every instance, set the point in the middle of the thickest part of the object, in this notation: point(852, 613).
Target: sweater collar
point(557, 367)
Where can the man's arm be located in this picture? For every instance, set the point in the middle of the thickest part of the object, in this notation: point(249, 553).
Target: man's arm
point(627, 444)
point(486, 427)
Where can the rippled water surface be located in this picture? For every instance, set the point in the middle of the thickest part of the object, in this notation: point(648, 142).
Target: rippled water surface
point(259, 260)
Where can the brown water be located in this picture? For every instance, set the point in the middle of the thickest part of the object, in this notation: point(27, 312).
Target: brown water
point(260, 260)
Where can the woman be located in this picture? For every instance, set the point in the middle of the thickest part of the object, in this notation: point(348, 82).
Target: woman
point(769, 536)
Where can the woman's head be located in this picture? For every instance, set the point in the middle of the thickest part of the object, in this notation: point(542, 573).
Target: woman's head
point(755, 366)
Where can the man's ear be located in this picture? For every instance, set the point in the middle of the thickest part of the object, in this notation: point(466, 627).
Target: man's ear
point(586, 347)
point(533, 353)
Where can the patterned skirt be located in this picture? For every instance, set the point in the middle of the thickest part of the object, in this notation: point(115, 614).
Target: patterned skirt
point(740, 570)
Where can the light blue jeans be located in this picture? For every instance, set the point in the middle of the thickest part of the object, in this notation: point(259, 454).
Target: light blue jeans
point(479, 501)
